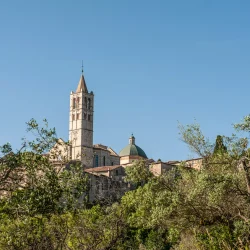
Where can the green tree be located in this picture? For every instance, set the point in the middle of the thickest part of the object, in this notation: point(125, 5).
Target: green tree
point(33, 188)
point(219, 148)
point(209, 208)
point(138, 173)
point(31, 184)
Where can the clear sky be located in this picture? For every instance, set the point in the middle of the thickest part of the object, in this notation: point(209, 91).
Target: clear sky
point(149, 63)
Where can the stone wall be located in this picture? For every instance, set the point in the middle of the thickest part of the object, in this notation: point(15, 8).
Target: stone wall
point(104, 158)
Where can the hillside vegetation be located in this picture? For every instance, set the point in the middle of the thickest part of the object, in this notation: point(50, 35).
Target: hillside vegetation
point(182, 209)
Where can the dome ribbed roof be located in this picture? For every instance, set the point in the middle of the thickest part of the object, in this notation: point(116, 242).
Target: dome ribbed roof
point(132, 149)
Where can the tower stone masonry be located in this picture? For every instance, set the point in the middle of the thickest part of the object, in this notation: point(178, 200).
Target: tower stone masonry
point(81, 118)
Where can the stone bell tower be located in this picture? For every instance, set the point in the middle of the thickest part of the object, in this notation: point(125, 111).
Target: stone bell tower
point(81, 124)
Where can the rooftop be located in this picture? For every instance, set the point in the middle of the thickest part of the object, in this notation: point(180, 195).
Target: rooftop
point(102, 169)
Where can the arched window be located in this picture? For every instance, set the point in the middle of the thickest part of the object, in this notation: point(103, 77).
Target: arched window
point(85, 101)
point(89, 103)
point(78, 102)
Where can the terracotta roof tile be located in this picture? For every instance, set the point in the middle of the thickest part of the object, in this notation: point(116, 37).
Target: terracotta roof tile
point(102, 169)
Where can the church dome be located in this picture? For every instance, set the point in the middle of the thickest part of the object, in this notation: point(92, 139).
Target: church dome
point(132, 149)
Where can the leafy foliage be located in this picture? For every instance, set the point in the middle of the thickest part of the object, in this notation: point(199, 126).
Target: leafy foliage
point(184, 208)
point(138, 173)
point(30, 184)
point(219, 148)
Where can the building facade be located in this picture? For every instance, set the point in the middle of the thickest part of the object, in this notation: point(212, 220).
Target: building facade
point(81, 131)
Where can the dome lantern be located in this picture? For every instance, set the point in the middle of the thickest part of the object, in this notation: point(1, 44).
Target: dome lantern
point(132, 140)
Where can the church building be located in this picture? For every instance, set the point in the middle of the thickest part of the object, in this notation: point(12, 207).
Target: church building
point(81, 117)
point(105, 168)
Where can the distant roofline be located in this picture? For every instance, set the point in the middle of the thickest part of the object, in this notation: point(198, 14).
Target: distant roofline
point(102, 168)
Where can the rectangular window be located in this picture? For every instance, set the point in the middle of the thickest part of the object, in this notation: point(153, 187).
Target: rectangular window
point(96, 160)
point(73, 117)
point(77, 116)
point(74, 103)
point(85, 116)
point(89, 117)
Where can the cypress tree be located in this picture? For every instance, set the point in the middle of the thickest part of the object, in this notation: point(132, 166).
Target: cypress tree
point(219, 148)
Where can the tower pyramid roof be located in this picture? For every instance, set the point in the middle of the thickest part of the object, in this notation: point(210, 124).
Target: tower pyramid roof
point(82, 85)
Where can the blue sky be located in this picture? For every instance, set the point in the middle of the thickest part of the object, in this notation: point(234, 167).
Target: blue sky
point(149, 63)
